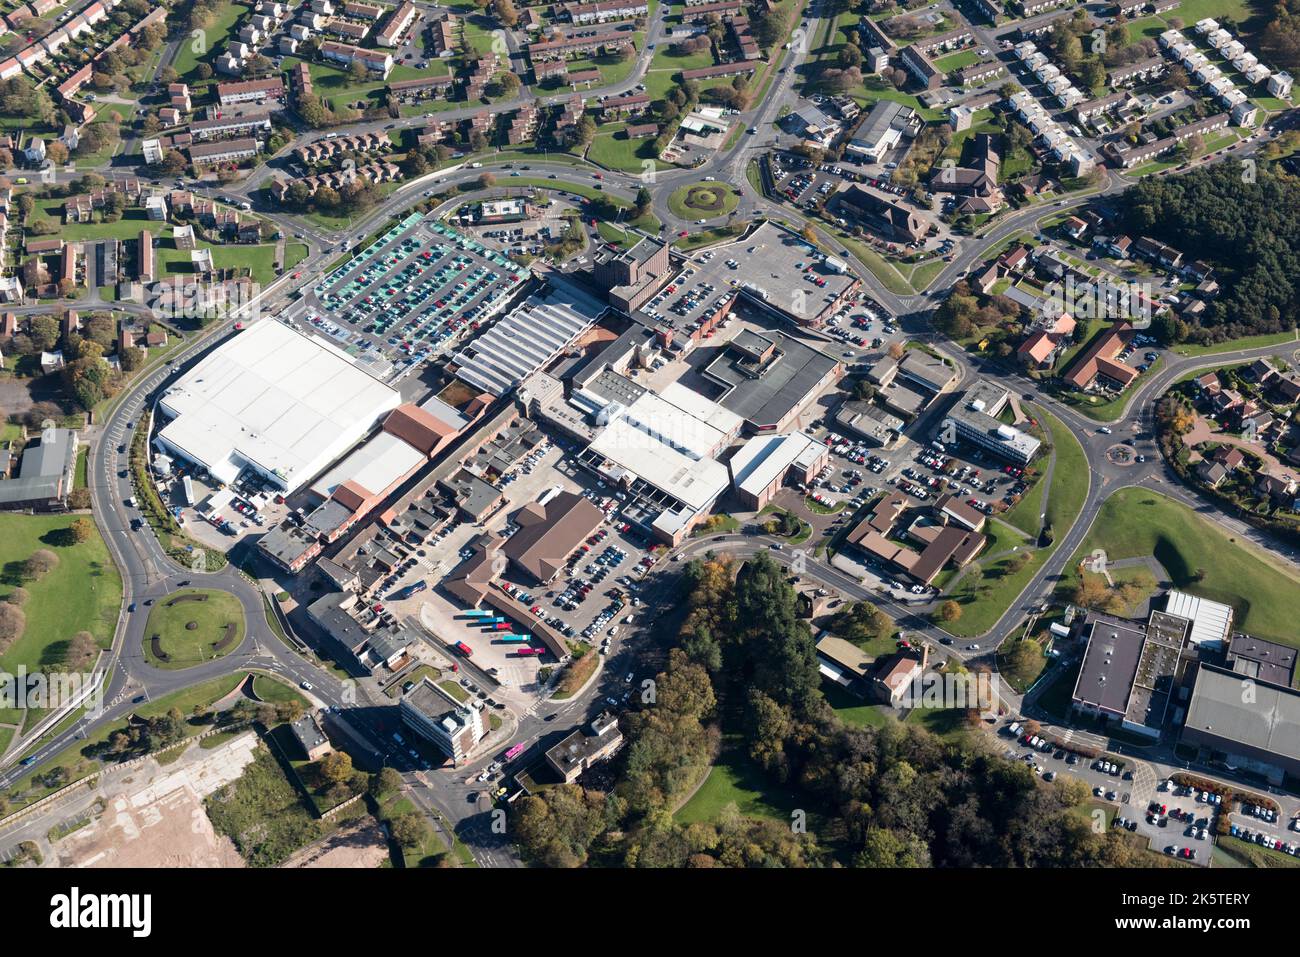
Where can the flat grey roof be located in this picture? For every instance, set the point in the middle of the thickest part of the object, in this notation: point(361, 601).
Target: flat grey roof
point(1265, 660)
point(1270, 722)
point(784, 385)
point(1110, 664)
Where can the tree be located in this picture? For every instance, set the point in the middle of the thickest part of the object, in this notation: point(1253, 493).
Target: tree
point(204, 71)
point(41, 563)
point(82, 651)
point(410, 829)
point(949, 611)
point(82, 530)
point(56, 152)
point(44, 332)
point(336, 767)
point(486, 181)
point(387, 781)
point(12, 624)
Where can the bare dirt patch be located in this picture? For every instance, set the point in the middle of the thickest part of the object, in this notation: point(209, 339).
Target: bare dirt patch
point(357, 845)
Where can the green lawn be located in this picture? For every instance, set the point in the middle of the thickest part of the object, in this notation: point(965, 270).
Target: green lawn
point(955, 61)
point(984, 593)
point(83, 593)
point(1137, 522)
point(703, 201)
point(193, 50)
point(274, 691)
point(1233, 345)
point(946, 723)
point(614, 150)
point(735, 780)
point(853, 710)
point(192, 626)
point(1252, 855)
point(1069, 479)
point(455, 690)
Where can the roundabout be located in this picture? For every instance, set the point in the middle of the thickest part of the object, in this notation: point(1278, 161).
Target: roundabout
point(703, 201)
point(192, 626)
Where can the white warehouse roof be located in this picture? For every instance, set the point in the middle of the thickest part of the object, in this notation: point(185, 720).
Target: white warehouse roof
point(374, 466)
point(669, 441)
point(1211, 620)
point(274, 399)
point(762, 460)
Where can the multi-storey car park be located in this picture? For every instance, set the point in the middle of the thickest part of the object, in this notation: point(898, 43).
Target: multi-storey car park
point(410, 293)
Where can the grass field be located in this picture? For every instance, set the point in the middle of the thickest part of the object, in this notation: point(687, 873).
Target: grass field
point(1252, 855)
point(274, 691)
point(190, 625)
point(614, 150)
point(955, 61)
point(1233, 345)
point(194, 50)
point(1069, 479)
point(984, 593)
point(83, 593)
point(1136, 522)
point(703, 201)
point(854, 711)
point(735, 780)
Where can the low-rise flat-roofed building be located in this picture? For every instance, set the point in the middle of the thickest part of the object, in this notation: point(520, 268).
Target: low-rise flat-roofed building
point(974, 419)
point(1211, 620)
point(870, 422)
point(770, 377)
point(1262, 660)
point(310, 738)
point(1257, 732)
point(1109, 667)
point(882, 129)
point(586, 746)
point(438, 718)
point(528, 338)
point(765, 464)
point(274, 401)
point(661, 450)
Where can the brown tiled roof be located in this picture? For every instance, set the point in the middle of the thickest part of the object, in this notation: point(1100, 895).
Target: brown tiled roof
point(550, 532)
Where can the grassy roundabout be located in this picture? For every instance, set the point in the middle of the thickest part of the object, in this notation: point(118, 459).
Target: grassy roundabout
point(191, 626)
point(703, 201)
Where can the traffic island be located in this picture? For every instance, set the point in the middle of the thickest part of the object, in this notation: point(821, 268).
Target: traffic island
point(703, 201)
point(193, 626)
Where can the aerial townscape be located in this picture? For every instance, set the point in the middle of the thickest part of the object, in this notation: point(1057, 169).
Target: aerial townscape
point(647, 434)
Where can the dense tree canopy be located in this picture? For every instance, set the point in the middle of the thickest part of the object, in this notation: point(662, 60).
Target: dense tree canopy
point(1247, 226)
